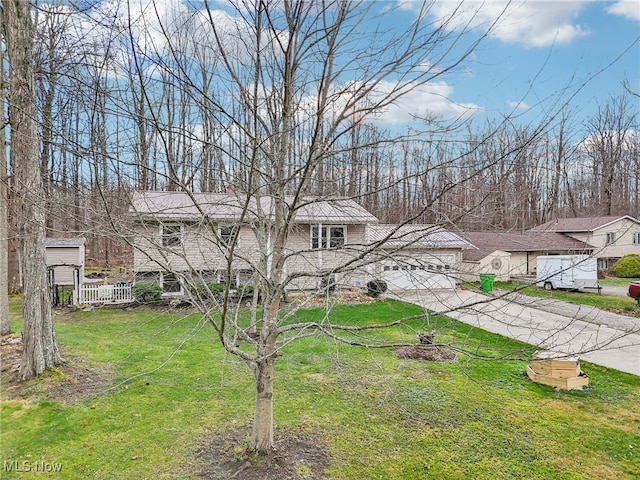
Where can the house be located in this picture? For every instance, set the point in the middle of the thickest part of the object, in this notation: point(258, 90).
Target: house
point(184, 237)
point(508, 255)
point(612, 237)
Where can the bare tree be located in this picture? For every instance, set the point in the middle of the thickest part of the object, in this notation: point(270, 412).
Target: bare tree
point(5, 327)
point(40, 347)
point(292, 82)
point(607, 147)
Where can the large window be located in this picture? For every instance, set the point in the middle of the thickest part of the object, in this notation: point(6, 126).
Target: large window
point(171, 235)
point(327, 237)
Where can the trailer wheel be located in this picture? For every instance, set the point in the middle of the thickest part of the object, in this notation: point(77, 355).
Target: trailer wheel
point(548, 286)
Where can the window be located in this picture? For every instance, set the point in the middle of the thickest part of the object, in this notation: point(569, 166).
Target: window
point(171, 235)
point(611, 238)
point(148, 277)
point(636, 238)
point(327, 237)
point(228, 234)
point(171, 283)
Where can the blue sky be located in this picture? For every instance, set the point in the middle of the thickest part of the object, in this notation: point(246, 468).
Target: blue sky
point(540, 54)
point(543, 52)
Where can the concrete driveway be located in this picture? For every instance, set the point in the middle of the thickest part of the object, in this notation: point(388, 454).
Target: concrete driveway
point(615, 290)
point(613, 342)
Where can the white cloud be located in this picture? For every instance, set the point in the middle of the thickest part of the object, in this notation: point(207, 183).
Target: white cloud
point(627, 8)
point(529, 23)
point(430, 101)
point(518, 105)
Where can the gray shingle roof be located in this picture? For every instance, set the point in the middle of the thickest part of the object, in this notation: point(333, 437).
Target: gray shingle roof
point(488, 242)
point(582, 224)
point(416, 236)
point(227, 206)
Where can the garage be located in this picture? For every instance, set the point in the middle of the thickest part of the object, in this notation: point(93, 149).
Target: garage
point(417, 256)
point(420, 272)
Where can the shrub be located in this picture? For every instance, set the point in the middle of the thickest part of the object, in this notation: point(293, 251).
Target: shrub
point(146, 292)
point(244, 292)
point(628, 266)
point(206, 289)
point(375, 288)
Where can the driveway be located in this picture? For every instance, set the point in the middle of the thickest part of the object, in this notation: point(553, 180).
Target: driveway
point(615, 290)
point(609, 340)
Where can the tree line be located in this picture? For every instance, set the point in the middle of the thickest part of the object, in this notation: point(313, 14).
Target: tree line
point(113, 118)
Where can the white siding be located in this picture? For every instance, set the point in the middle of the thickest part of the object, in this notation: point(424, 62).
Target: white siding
point(65, 255)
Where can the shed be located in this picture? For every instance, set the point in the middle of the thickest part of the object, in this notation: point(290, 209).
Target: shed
point(65, 260)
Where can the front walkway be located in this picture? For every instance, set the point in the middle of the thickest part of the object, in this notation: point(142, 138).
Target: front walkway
point(597, 343)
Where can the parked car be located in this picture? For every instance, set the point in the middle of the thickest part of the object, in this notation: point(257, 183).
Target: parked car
point(634, 291)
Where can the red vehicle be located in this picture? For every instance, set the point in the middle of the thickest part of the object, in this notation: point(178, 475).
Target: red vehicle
point(634, 291)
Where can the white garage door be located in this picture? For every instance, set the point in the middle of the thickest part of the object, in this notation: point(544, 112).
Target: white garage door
point(433, 271)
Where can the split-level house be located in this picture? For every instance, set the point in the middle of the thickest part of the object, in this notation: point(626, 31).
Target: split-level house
point(611, 237)
point(180, 236)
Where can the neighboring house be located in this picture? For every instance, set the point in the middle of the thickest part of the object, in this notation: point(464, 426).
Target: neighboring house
point(174, 234)
point(612, 237)
point(508, 255)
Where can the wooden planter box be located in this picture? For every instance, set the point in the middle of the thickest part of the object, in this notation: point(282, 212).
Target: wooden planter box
point(563, 372)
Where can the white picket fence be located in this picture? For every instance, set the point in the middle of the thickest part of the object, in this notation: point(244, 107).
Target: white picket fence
point(120, 293)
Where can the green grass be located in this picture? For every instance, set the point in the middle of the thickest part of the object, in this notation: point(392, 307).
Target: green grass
point(618, 282)
point(606, 302)
point(380, 417)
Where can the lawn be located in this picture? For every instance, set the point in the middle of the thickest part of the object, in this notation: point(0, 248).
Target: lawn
point(165, 388)
point(618, 282)
point(624, 305)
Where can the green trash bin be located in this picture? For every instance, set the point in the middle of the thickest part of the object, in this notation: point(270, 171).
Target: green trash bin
point(486, 281)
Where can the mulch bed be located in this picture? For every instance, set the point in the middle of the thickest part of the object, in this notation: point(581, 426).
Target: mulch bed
point(297, 456)
point(425, 352)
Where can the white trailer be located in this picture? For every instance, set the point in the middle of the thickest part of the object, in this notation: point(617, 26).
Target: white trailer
point(571, 272)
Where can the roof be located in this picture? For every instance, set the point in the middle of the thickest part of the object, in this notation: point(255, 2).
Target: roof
point(416, 236)
point(582, 224)
point(488, 242)
point(64, 242)
point(227, 206)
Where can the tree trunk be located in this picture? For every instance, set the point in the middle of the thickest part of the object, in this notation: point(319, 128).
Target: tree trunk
point(40, 348)
point(5, 327)
point(262, 437)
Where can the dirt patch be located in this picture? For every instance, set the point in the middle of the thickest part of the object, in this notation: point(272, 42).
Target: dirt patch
point(74, 380)
point(423, 352)
point(351, 297)
point(297, 456)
